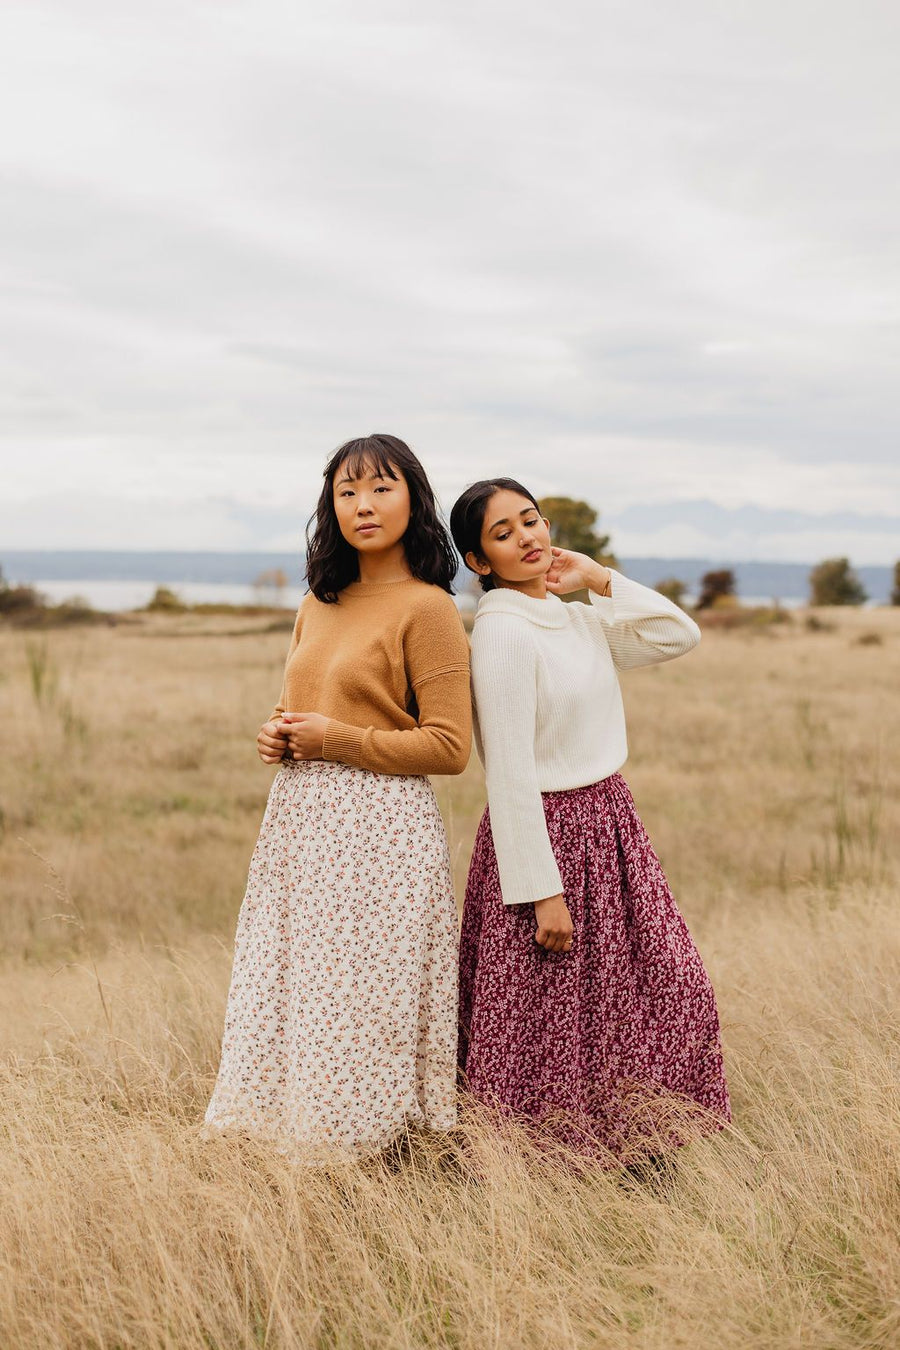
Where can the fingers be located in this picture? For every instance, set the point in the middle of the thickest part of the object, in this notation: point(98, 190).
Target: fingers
point(553, 941)
point(271, 747)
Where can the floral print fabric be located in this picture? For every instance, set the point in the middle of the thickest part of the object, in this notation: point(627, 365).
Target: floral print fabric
point(616, 1041)
point(341, 1020)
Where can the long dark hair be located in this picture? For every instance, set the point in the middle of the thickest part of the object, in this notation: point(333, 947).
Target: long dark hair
point(467, 517)
point(332, 563)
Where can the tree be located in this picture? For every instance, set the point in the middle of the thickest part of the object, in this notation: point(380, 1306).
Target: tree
point(572, 526)
point(833, 582)
point(673, 589)
point(270, 586)
point(165, 601)
point(895, 593)
point(716, 587)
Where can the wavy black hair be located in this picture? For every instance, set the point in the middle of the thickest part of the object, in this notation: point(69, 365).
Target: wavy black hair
point(467, 517)
point(332, 563)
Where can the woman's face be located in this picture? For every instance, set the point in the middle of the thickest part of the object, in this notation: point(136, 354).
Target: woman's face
point(515, 540)
point(372, 511)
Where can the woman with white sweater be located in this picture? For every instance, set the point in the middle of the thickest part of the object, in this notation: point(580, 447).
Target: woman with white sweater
point(584, 1004)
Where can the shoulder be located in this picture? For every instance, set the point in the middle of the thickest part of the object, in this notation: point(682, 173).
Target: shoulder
point(432, 628)
point(430, 609)
point(311, 609)
point(509, 612)
point(424, 598)
point(499, 637)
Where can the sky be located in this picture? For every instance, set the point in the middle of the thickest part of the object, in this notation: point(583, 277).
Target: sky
point(644, 254)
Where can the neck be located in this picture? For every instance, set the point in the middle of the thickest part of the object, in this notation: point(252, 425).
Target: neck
point(388, 565)
point(536, 588)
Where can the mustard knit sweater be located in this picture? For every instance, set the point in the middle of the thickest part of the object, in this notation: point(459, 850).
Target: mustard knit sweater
point(388, 664)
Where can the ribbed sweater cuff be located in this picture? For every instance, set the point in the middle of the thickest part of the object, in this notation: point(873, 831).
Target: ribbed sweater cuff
point(631, 601)
point(343, 742)
point(535, 886)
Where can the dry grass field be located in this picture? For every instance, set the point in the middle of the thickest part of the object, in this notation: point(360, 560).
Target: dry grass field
point(767, 768)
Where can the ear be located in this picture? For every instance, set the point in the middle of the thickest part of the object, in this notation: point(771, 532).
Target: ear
point(546, 522)
point(476, 563)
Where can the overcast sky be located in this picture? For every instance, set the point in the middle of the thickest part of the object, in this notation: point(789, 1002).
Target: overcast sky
point(642, 253)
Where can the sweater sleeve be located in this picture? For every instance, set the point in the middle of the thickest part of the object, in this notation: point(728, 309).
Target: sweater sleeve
point(642, 627)
point(436, 654)
point(281, 705)
point(504, 680)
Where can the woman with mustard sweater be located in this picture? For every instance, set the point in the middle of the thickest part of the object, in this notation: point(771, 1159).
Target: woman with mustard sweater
point(341, 1020)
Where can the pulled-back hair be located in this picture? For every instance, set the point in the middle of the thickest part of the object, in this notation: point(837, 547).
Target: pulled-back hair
point(332, 563)
point(467, 517)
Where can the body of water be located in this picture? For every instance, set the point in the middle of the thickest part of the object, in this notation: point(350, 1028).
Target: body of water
point(125, 580)
point(118, 596)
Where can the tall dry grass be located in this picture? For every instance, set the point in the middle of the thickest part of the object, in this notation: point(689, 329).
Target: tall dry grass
point(766, 768)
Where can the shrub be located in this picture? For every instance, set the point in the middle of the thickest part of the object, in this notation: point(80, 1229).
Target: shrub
point(895, 593)
point(717, 586)
point(17, 601)
point(166, 601)
point(833, 582)
point(672, 589)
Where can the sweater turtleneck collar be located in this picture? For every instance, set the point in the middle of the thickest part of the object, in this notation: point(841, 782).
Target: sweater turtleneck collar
point(548, 613)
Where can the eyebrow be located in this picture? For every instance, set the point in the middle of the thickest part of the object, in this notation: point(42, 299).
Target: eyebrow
point(372, 478)
point(505, 521)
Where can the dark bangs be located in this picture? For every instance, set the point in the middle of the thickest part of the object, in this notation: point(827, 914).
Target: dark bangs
point(357, 456)
point(332, 563)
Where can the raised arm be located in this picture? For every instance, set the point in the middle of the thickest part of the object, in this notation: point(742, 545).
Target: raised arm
point(504, 680)
point(642, 627)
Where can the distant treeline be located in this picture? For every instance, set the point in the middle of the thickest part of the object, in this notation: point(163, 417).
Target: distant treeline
point(772, 580)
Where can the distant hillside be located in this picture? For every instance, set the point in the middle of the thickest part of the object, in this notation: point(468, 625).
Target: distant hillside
point(770, 580)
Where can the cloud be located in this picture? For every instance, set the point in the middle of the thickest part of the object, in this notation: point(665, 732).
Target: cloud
point(233, 236)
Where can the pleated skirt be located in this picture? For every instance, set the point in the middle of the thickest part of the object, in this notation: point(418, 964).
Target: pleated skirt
point(340, 1027)
point(612, 1047)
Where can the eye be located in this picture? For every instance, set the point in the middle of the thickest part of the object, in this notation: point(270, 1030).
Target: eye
point(346, 492)
point(532, 522)
point(501, 537)
point(383, 488)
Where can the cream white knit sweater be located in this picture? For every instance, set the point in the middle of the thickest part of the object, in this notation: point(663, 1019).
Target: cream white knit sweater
point(548, 709)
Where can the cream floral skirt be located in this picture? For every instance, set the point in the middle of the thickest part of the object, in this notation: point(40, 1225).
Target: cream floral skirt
point(341, 1020)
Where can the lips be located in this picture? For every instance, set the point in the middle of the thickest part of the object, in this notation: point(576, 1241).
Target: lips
point(533, 555)
point(367, 529)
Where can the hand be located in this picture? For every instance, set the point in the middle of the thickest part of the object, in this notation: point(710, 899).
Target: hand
point(554, 924)
point(270, 743)
point(305, 734)
point(576, 572)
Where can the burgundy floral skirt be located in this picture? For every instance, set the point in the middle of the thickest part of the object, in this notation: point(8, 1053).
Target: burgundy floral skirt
point(613, 1047)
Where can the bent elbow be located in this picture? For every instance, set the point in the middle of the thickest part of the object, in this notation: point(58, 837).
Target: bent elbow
point(692, 636)
point(452, 756)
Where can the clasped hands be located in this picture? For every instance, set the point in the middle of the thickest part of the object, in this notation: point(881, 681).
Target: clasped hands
point(292, 736)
